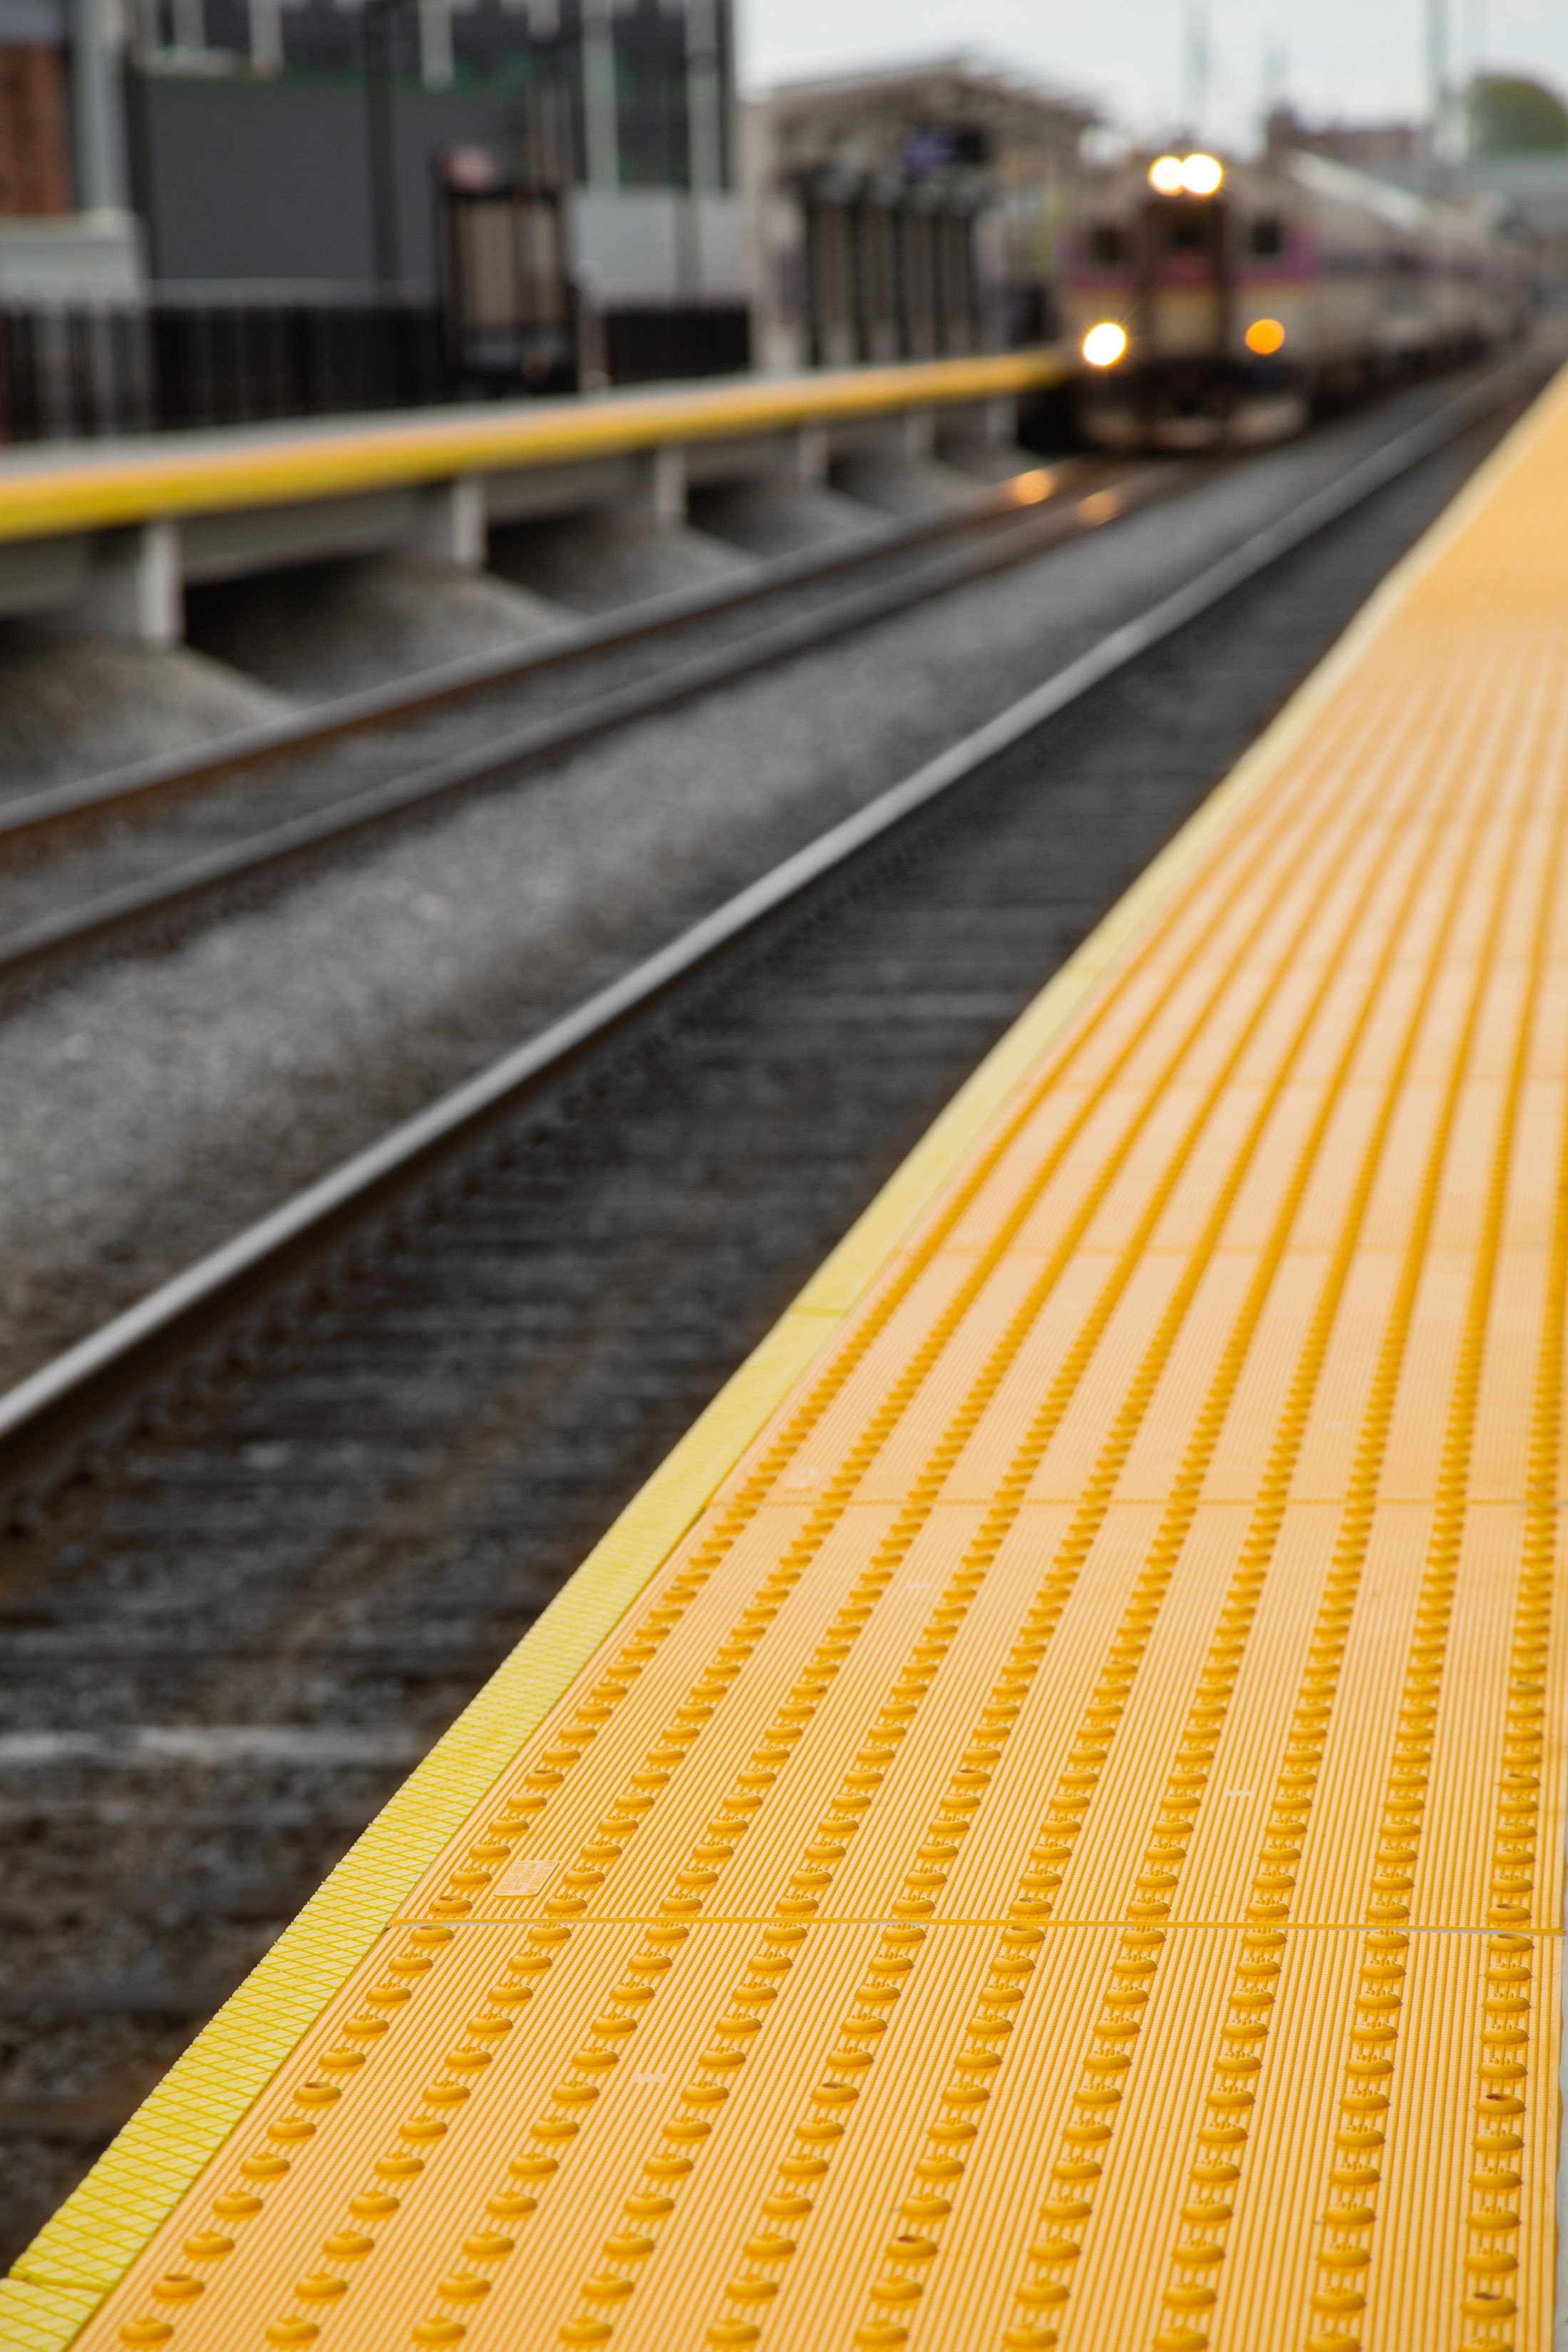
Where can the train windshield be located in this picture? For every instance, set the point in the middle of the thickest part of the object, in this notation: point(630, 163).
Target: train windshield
point(1188, 230)
point(1184, 272)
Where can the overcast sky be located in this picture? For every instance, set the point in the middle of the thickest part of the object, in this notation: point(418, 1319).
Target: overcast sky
point(1356, 57)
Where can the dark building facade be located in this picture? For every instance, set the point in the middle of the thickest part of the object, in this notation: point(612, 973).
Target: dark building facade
point(351, 203)
point(253, 123)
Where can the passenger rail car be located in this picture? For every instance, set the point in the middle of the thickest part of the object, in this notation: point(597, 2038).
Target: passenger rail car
point(1216, 305)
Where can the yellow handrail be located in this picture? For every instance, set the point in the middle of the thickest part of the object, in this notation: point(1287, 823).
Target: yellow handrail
point(267, 468)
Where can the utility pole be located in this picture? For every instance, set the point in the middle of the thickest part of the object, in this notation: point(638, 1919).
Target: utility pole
point(1275, 73)
point(1198, 62)
point(1476, 66)
point(1437, 77)
point(98, 133)
point(1276, 85)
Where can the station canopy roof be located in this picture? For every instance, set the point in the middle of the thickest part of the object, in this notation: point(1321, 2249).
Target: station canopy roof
point(943, 116)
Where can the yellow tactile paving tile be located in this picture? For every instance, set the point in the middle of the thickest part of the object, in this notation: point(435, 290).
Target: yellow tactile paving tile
point(1065, 1849)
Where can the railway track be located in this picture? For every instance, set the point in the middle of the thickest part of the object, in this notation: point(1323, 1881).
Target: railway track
point(170, 841)
point(331, 1476)
point(275, 795)
point(28, 814)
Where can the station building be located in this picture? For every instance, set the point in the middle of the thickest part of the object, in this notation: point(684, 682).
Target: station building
point(279, 206)
point(307, 143)
point(219, 211)
point(907, 215)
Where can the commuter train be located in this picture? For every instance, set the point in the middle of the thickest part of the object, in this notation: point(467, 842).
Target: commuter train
point(1216, 305)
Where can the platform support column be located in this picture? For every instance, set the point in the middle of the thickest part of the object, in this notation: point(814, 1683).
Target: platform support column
point(449, 524)
point(811, 453)
point(919, 432)
point(980, 425)
point(133, 591)
point(998, 422)
point(666, 483)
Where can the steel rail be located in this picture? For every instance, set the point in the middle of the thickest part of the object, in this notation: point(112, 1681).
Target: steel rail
point(274, 739)
point(72, 928)
point(50, 1416)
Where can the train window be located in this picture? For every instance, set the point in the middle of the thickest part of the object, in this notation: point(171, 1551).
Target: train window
point(1268, 237)
point(1186, 233)
point(1107, 246)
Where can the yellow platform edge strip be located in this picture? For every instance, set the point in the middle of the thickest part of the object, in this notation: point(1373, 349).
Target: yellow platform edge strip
point(100, 2230)
point(270, 472)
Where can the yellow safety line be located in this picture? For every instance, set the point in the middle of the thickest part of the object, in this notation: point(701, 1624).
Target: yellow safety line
point(266, 469)
point(141, 2179)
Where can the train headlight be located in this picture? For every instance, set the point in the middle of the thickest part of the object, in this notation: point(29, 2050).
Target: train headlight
point(1201, 175)
point(1165, 175)
point(1266, 336)
point(1104, 345)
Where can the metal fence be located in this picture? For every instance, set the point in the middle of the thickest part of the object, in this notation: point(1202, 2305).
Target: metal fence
point(238, 363)
point(188, 360)
point(658, 344)
point(67, 373)
point(74, 374)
